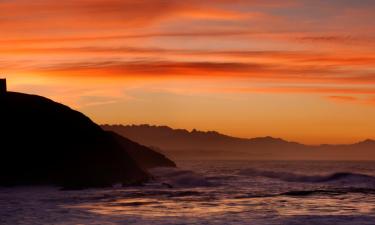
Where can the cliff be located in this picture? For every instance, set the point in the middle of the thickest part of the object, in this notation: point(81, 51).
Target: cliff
point(44, 142)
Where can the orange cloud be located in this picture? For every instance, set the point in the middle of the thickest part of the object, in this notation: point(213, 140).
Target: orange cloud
point(343, 98)
point(253, 71)
point(138, 35)
point(71, 18)
point(306, 90)
point(372, 101)
point(354, 100)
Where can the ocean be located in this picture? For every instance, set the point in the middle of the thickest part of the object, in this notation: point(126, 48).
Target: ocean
point(211, 192)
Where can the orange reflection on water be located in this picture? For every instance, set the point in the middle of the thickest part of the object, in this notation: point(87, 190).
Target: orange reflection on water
point(199, 207)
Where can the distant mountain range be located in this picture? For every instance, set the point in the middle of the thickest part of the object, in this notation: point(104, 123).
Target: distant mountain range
point(184, 144)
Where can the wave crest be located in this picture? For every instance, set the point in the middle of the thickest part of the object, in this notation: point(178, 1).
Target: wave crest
point(174, 177)
point(294, 177)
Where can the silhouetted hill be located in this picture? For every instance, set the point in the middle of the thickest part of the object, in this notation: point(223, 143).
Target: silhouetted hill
point(44, 142)
point(145, 157)
point(183, 144)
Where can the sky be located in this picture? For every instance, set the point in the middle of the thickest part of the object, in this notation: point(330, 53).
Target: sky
point(302, 70)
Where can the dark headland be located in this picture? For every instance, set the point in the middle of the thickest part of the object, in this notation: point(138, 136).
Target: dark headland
point(44, 142)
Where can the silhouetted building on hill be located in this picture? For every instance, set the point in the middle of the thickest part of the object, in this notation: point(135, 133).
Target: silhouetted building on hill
point(3, 86)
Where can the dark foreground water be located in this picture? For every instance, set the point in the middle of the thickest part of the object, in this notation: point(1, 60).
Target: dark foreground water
point(211, 192)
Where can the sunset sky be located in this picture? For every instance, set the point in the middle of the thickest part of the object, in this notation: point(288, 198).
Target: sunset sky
point(302, 70)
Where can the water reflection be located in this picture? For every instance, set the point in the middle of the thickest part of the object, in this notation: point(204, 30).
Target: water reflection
point(201, 203)
point(213, 194)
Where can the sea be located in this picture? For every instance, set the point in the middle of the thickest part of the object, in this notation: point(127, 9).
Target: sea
point(211, 192)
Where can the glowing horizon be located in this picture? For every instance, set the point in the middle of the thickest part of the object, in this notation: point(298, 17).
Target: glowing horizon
point(299, 70)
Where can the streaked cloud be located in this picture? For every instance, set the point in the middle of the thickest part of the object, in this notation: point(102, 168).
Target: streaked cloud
point(90, 53)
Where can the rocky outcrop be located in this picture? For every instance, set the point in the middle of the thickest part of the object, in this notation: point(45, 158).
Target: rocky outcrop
point(145, 157)
point(44, 142)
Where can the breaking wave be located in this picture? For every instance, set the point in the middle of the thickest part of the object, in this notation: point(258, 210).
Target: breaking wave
point(174, 177)
point(294, 177)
